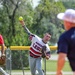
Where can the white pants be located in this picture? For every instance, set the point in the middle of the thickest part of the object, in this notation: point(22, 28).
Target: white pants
point(35, 64)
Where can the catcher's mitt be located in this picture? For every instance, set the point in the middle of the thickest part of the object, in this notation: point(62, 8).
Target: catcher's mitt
point(43, 51)
point(2, 60)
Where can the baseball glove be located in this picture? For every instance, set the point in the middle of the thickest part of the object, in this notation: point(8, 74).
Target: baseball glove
point(43, 51)
point(2, 60)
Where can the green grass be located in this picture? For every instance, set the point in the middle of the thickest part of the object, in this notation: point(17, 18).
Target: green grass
point(51, 66)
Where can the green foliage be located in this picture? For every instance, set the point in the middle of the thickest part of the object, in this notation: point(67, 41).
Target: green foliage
point(69, 4)
point(45, 19)
point(40, 20)
point(20, 58)
point(28, 19)
point(11, 29)
point(53, 65)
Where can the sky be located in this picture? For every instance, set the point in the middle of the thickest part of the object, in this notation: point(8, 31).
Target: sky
point(35, 3)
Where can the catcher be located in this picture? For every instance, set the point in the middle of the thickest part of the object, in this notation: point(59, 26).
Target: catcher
point(2, 56)
point(38, 49)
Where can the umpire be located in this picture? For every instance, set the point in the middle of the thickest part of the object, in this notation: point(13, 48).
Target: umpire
point(66, 43)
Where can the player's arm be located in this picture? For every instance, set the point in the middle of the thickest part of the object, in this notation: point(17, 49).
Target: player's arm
point(60, 63)
point(44, 53)
point(2, 49)
point(48, 55)
point(2, 46)
point(3, 57)
point(25, 28)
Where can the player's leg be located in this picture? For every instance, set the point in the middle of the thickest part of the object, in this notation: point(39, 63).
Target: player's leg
point(39, 67)
point(32, 64)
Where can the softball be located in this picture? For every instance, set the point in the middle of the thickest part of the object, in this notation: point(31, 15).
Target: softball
point(20, 18)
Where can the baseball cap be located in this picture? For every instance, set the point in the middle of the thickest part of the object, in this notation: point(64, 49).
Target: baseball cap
point(68, 15)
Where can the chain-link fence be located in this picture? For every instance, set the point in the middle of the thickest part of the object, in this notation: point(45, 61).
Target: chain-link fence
point(47, 65)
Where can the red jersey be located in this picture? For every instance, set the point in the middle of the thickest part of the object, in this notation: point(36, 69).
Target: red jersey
point(1, 39)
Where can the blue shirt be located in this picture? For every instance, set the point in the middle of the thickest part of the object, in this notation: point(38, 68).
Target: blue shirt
point(66, 43)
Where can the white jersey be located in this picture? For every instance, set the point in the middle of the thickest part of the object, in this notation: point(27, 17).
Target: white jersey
point(36, 46)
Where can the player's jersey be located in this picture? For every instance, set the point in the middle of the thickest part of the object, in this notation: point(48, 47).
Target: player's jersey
point(1, 42)
point(1, 39)
point(36, 46)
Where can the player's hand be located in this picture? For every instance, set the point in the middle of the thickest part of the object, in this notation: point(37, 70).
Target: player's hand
point(2, 54)
point(47, 57)
point(22, 23)
point(59, 73)
point(3, 57)
point(21, 20)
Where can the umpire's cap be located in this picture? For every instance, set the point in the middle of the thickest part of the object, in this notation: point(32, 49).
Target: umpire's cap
point(68, 15)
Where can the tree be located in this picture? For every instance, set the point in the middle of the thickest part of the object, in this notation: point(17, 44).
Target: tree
point(12, 8)
point(12, 31)
point(46, 18)
point(68, 4)
point(39, 20)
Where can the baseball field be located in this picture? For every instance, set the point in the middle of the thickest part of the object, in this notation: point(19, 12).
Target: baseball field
point(50, 69)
